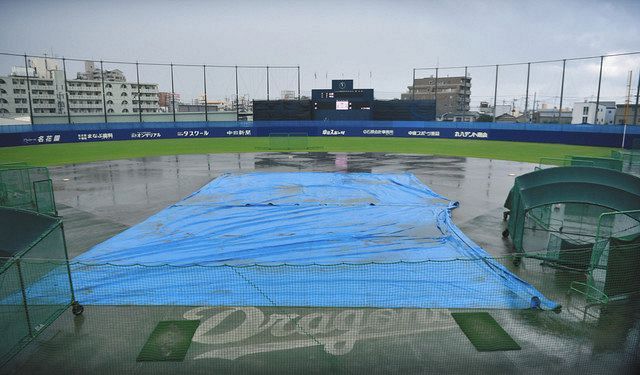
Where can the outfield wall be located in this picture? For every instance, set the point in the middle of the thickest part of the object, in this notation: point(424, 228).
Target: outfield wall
point(588, 135)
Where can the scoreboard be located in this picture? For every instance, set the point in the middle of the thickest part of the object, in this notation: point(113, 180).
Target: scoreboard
point(342, 102)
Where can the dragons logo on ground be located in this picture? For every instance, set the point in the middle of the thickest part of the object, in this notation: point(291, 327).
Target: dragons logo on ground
point(336, 330)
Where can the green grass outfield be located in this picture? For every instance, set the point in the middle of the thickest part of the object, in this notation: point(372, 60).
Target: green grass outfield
point(67, 153)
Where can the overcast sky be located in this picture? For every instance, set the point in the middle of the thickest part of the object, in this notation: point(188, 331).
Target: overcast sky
point(381, 41)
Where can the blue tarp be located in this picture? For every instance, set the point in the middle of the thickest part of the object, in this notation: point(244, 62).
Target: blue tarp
point(301, 239)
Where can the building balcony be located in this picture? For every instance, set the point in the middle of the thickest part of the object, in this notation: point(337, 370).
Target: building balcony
point(84, 105)
point(40, 87)
point(44, 105)
point(85, 97)
point(43, 96)
point(90, 89)
point(146, 105)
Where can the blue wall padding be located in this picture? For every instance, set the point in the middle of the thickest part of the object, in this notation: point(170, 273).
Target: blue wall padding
point(589, 135)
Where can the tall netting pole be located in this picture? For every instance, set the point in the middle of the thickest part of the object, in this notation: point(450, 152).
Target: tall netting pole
point(26, 72)
point(413, 85)
point(435, 96)
point(237, 97)
point(66, 90)
point(268, 83)
point(595, 117)
point(104, 98)
point(526, 95)
point(564, 64)
point(635, 111)
point(298, 82)
point(139, 98)
point(495, 95)
point(466, 107)
point(173, 95)
point(204, 79)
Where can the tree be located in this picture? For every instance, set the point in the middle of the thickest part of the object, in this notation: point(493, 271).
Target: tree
point(484, 118)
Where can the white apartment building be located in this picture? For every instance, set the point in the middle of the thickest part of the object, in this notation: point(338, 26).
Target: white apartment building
point(585, 113)
point(85, 94)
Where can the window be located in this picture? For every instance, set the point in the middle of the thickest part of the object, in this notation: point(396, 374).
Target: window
point(584, 119)
point(109, 93)
point(125, 111)
point(110, 110)
point(3, 100)
point(123, 94)
point(108, 85)
point(109, 101)
point(585, 111)
point(2, 81)
point(123, 86)
point(3, 91)
point(124, 102)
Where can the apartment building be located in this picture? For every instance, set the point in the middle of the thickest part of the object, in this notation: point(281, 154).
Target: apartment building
point(85, 93)
point(453, 93)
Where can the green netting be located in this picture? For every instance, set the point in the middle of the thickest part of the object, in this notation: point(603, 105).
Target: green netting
point(630, 160)
point(13, 322)
point(565, 231)
point(546, 162)
point(32, 247)
point(615, 260)
point(549, 206)
point(13, 165)
point(27, 188)
point(601, 162)
point(605, 245)
point(582, 161)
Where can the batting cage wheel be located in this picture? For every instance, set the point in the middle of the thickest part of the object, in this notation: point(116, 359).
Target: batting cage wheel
point(76, 308)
